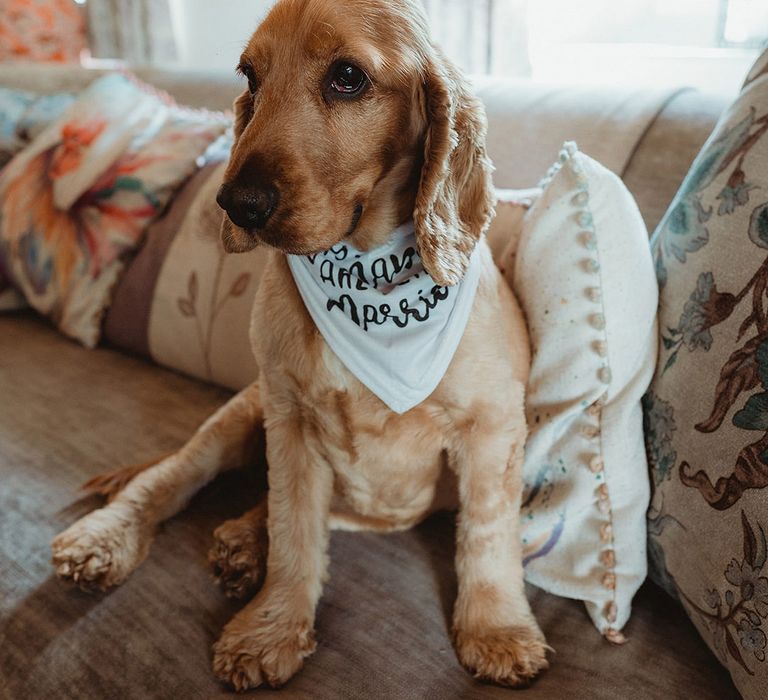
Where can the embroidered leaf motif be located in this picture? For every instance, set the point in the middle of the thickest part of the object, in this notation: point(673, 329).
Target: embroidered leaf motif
point(240, 285)
point(753, 617)
point(186, 308)
point(683, 229)
point(735, 193)
point(754, 415)
point(736, 628)
point(749, 472)
point(706, 307)
point(761, 550)
point(658, 428)
point(758, 226)
point(192, 287)
point(739, 374)
point(750, 541)
point(671, 361)
point(720, 153)
point(733, 650)
point(669, 343)
point(686, 222)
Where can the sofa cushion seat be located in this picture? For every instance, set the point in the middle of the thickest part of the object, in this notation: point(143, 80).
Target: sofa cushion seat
point(67, 413)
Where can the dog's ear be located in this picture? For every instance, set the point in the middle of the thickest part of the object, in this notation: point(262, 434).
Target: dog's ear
point(454, 204)
point(243, 108)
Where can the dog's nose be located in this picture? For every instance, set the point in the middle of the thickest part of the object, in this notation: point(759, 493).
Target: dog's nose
point(248, 207)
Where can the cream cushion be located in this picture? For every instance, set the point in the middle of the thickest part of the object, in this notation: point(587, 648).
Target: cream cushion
point(582, 270)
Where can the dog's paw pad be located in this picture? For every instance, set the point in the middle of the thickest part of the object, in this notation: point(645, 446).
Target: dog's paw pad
point(511, 656)
point(238, 557)
point(272, 655)
point(98, 551)
point(242, 672)
point(85, 563)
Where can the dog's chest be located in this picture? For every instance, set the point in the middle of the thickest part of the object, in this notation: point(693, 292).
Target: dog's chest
point(386, 465)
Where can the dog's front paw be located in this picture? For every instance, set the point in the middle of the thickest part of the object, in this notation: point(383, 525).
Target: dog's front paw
point(254, 649)
point(100, 550)
point(511, 656)
point(239, 555)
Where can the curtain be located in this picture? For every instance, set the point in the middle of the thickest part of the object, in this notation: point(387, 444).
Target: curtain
point(463, 29)
point(136, 31)
point(482, 36)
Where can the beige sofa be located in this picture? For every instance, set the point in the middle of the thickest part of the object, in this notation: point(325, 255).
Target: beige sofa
point(67, 413)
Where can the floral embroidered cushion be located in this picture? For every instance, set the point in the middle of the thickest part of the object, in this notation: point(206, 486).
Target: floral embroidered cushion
point(582, 269)
point(23, 115)
point(183, 301)
point(706, 413)
point(76, 201)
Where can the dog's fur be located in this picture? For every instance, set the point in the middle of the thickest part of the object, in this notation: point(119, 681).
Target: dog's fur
point(412, 146)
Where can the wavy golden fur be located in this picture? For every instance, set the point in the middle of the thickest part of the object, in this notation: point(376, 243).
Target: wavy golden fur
point(412, 145)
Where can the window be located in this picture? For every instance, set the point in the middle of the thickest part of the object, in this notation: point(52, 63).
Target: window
point(709, 44)
point(706, 43)
point(743, 22)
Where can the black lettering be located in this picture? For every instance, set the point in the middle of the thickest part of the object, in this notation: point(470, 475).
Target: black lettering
point(379, 272)
point(326, 272)
point(340, 252)
point(357, 270)
point(341, 304)
point(406, 263)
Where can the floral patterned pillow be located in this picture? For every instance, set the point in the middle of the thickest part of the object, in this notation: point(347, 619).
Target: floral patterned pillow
point(24, 115)
point(77, 200)
point(706, 413)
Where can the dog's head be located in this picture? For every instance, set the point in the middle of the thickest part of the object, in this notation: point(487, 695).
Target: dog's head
point(352, 123)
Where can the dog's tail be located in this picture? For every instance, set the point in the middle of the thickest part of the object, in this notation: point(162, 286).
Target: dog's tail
point(109, 484)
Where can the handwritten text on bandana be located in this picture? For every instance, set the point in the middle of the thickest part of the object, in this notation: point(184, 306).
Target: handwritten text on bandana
point(385, 318)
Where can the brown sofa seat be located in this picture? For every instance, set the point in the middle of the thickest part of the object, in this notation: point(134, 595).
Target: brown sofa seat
point(67, 413)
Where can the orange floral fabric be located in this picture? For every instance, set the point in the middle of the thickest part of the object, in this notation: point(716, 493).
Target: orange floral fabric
point(41, 30)
point(78, 199)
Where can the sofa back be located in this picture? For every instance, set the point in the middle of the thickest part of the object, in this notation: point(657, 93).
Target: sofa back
point(649, 137)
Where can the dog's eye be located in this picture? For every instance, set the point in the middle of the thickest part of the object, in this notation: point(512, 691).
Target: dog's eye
point(347, 79)
point(246, 70)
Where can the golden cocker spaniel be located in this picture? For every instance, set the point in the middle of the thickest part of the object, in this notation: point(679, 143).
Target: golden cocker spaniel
point(352, 124)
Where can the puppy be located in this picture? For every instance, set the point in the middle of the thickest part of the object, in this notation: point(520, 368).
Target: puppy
point(352, 126)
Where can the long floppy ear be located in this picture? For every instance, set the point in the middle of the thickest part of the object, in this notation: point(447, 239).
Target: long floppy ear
point(454, 204)
point(243, 108)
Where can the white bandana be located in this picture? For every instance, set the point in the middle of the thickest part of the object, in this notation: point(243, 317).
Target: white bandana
point(385, 318)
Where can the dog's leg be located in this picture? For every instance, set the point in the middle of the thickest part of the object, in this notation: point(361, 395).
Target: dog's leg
point(109, 484)
point(239, 554)
point(101, 549)
point(269, 639)
point(495, 633)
